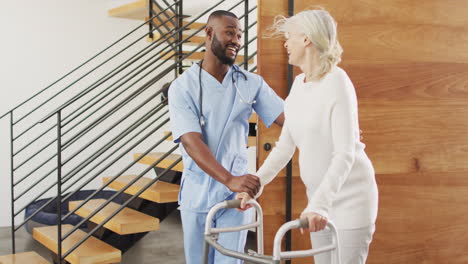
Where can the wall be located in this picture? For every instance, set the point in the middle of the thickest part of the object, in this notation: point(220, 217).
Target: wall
point(41, 41)
point(408, 62)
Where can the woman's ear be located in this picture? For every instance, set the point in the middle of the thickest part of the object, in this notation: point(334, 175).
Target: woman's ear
point(307, 41)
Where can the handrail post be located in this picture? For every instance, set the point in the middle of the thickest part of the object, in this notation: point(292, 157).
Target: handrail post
point(180, 21)
point(246, 34)
point(150, 22)
point(12, 171)
point(59, 185)
point(289, 167)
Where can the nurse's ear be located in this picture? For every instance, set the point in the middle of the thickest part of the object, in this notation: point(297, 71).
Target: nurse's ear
point(209, 32)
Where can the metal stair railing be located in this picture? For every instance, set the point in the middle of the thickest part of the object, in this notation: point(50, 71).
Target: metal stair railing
point(91, 143)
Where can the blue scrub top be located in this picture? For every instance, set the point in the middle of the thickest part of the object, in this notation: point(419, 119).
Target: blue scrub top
point(225, 131)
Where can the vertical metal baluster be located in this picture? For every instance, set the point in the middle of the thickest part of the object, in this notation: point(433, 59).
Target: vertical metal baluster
point(180, 24)
point(13, 240)
point(246, 35)
point(150, 14)
point(59, 185)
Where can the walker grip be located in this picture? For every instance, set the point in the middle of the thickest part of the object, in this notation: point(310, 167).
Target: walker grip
point(233, 203)
point(303, 223)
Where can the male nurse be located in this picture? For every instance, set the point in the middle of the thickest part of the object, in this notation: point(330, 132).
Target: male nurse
point(210, 105)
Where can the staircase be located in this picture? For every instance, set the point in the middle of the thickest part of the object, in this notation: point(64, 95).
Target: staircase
point(103, 127)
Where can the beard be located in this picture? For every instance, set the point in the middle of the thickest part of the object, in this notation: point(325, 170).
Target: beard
point(220, 52)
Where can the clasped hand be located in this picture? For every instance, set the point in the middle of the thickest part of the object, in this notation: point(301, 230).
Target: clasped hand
point(316, 222)
point(247, 183)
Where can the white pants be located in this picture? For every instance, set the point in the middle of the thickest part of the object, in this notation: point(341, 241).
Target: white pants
point(353, 243)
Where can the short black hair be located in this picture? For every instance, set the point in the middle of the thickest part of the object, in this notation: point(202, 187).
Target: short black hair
point(220, 13)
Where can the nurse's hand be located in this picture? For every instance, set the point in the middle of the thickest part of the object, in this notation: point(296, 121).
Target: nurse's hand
point(245, 198)
point(246, 183)
point(316, 222)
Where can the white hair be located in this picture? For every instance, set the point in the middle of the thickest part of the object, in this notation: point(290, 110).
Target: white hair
point(321, 29)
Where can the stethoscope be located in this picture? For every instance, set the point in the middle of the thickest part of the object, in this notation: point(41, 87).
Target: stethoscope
point(242, 99)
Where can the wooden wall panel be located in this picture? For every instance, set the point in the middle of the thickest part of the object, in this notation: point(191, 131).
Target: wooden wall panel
point(441, 82)
point(408, 60)
point(411, 136)
point(272, 67)
point(420, 220)
point(447, 13)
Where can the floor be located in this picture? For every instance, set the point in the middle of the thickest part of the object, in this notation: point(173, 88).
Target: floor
point(163, 246)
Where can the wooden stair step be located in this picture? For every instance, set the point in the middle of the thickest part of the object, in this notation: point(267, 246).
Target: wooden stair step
point(127, 221)
point(165, 163)
point(92, 251)
point(200, 55)
point(170, 138)
point(139, 10)
point(253, 118)
point(134, 10)
point(25, 257)
point(159, 192)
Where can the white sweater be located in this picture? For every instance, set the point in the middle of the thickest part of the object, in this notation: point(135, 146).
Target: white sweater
point(322, 122)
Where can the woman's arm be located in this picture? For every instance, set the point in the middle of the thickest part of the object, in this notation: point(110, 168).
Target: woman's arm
point(278, 158)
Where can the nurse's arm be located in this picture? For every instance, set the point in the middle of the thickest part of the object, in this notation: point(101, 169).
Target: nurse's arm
point(280, 120)
point(201, 154)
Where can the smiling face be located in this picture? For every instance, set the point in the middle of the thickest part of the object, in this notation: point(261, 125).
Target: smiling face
point(223, 37)
point(295, 45)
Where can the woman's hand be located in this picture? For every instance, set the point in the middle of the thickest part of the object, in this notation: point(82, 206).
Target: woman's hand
point(316, 222)
point(245, 197)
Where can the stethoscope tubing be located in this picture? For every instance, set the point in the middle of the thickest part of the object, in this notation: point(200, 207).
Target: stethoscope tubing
point(200, 98)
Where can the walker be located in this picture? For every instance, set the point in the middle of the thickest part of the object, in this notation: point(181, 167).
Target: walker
point(211, 238)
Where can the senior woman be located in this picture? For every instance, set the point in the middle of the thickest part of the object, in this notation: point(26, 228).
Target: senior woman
point(322, 122)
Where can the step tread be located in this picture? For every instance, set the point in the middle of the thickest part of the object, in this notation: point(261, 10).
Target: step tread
point(253, 118)
point(127, 221)
point(24, 257)
point(92, 250)
point(160, 192)
point(165, 163)
point(139, 10)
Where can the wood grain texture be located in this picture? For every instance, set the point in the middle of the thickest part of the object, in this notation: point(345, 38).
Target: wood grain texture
point(447, 82)
point(92, 251)
point(387, 43)
point(159, 192)
point(411, 136)
point(421, 219)
point(272, 67)
point(152, 157)
point(408, 61)
point(433, 12)
point(21, 258)
point(127, 221)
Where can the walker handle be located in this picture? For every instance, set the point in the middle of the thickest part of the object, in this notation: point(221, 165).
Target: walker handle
point(233, 203)
point(303, 223)
point(278, 255)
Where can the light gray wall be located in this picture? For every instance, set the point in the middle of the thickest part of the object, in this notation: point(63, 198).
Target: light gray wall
point(41, 41)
